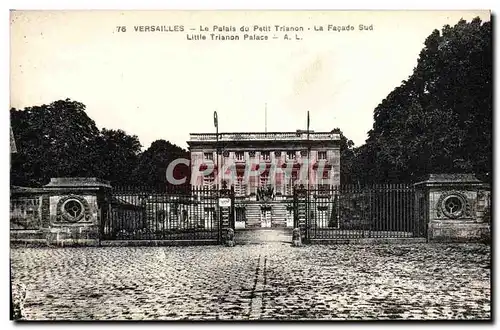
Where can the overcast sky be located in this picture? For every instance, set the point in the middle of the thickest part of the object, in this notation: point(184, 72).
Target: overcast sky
point(159, 85)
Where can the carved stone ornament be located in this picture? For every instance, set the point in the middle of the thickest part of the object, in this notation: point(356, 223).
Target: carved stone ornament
point(265, 193)
point(454, 205)
point(73, 208)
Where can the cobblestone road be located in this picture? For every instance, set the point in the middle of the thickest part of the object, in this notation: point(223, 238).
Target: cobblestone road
point(256, 280)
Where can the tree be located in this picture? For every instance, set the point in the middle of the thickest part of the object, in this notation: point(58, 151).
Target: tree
point(60, 140)
point(440, 119)
point(153, 163)
point(119, 155)
point(53, 140)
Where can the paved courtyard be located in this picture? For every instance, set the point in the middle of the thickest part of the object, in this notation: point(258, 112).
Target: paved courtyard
point(263, 278)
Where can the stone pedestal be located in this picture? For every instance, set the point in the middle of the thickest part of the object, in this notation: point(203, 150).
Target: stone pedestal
point(228, 237)
point(70, 212)
point(296, 237)
point(455, 207)
point(239, 225)
point(77, 207)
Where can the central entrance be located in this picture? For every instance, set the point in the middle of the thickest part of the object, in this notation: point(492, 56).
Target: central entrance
point(257, 214)
point(265, 217)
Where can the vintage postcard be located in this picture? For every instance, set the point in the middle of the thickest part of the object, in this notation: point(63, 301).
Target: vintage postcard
point(250, 165)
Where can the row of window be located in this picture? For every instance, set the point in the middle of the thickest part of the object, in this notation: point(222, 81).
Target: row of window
point(240, 188)
point(264, 178)
point(265, 155)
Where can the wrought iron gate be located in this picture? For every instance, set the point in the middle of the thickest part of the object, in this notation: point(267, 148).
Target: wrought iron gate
point(145, 213)
point(351, 212)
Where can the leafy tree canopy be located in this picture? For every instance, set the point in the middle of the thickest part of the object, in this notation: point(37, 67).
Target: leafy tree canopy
point(59, 139)
point(440, 119)
point(153, 163)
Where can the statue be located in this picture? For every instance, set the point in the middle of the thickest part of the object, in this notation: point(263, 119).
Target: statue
point(229, 237)
point(265, 193)
point(296, 237)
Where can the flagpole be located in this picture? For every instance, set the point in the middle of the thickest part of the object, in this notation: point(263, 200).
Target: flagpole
point(265, 115)
point(216, 124)
point(308, 216)
point(308, 149)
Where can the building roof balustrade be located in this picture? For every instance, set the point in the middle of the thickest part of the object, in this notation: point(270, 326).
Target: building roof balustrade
point(264, 136)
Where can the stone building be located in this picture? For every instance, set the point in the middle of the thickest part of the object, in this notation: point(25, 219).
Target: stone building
point(263, 168)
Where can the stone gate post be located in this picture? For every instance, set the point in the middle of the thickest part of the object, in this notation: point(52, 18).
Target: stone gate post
point(453, 208)
point(65, 212)
point(226, 210)
point(78, 210)
point(300, 212)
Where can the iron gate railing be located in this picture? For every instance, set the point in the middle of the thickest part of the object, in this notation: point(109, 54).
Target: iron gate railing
point(350, 212)
point(146, 213)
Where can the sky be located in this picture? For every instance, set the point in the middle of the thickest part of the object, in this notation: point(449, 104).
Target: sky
point(160, 85)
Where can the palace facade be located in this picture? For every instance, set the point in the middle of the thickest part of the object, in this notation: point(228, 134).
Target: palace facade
point(263, 168)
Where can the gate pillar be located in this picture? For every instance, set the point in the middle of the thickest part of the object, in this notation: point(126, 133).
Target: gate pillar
point(226, 211)
point(77, 209)
point(453, 208)
point(300, 212)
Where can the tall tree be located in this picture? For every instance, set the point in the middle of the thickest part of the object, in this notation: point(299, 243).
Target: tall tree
point(59, 139)
point(440, 119)
point(119, 155)
point(53, 140)
point(153, 163)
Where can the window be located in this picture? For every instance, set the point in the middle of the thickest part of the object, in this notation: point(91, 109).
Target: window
point(240, 214)
point(265, 155)
point(290, 182)
point(321, 155)
point(73, 207)
point(453, 205)
point(239, 155)
point(208, 180)
point(208, 156)
point(324, 180)
point(290, 155)
point(264, 179)
point(240, 187)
